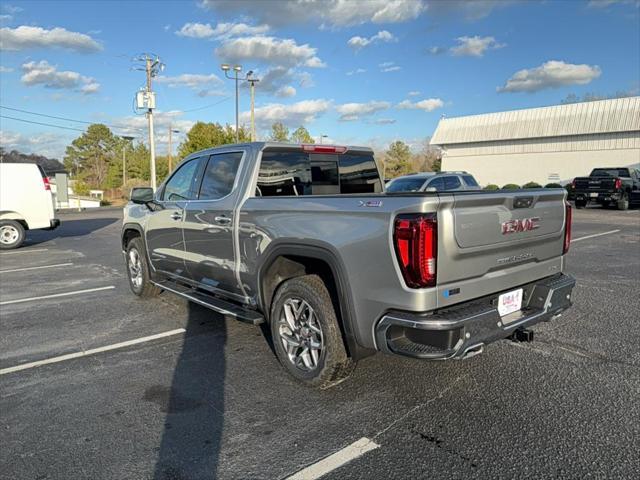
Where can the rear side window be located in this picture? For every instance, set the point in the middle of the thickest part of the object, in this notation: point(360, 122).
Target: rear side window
point(180, 185)
point(470, 181)
point(219, 175)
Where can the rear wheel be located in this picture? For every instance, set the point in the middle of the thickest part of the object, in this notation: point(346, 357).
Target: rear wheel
point(306, 334)
point(12, 234)
point(138, 270)
point(581, 203)
point(623, 203)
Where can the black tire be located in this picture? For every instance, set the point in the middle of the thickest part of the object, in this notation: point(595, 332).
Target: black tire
point(12, 234)
point(580, 204)
point(140, 285)
point(333, 365)
point(623, 203)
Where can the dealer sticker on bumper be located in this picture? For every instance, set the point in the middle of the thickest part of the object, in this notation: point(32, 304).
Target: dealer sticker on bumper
point(510, 302)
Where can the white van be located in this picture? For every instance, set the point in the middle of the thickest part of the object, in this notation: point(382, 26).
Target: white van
point(26, 202)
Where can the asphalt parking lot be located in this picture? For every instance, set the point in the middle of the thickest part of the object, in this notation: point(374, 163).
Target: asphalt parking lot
point(206, 398)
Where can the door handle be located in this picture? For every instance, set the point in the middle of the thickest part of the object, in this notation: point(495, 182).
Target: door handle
point(223, 220)
point(176, 215)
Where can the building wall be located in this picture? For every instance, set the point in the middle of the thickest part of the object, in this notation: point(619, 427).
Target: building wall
point(540, 167)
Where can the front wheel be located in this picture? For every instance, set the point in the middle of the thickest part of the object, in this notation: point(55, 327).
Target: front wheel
point(12, 234)
point(306, 334)
point(138, 270)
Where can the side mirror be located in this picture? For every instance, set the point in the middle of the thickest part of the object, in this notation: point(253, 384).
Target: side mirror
point(141, 195)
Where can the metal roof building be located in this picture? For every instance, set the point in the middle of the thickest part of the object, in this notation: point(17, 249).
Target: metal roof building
point(548, 144)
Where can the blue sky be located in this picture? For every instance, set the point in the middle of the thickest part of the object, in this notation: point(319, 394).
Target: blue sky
point(359, 72)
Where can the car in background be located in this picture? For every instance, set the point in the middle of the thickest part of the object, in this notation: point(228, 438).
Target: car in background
point(435, 181)
point(26, 203)
point(608, 186)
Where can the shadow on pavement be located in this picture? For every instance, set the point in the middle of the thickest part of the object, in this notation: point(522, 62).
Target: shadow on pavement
point(69, 228)
point(194, 403)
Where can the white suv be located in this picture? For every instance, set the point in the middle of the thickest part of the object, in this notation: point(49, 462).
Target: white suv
point(438, 181)
point(26, 202)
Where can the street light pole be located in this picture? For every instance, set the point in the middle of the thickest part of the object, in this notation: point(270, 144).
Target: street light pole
point(171, 130)
point(236, 70)
point(252, 84)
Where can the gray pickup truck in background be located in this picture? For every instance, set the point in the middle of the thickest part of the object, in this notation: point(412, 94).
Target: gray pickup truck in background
point(303, 239)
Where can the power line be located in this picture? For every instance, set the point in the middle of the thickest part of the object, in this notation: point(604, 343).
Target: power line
point(206, 106)
point(41, 123)
point(124, 127)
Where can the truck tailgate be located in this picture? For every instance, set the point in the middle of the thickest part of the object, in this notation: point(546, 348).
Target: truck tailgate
point(594, 184)
point(491, 240)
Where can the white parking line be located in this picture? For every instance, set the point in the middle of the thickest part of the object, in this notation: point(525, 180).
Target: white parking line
point(594, 235)
point(25, 250)
point(336, 460)
point(91, 351)
point(35, 268)
point(56, 295)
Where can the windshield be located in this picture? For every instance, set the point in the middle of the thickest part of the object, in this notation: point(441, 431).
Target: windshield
point(405, 185)
point(610, 172)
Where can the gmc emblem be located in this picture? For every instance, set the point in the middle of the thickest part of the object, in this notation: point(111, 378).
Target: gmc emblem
point(520, 225)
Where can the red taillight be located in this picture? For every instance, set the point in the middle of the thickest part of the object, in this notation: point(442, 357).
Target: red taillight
point(568, 218)
point(323, 149)
point(416, 243)
point(47, 185)
point(618, 184)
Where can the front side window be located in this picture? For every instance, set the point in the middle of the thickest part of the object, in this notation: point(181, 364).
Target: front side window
point(219, 175)
point(180, 185)
point(437, 183)
point(451, 183)
point(405, 185)
point(470, 181)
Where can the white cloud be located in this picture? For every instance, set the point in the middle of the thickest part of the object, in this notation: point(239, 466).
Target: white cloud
point(389, 67)
point(469, 10)
point(43, 73)
point(196, 30)
point(428, 105)
point(608, 3)
point(279, 51)
point(11, 8)
point(336, 13)
point(6, 18)
point(4, 69)
point(383, 36)
point(384, 121)
point(414, 93)
point(436, 50)
point(551, 74)
point(292, 115)
point(474, 46)
point(26, 37)
point(222, 30)
point(286, 91)
point(356, 71)
point(136, 126)
point(48, 144)
point(191, 80)
point(353, 111)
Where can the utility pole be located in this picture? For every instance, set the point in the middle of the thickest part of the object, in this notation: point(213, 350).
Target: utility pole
point(146, 99)
point(152, 143)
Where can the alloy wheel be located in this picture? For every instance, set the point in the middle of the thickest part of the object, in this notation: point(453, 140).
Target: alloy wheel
point(301, 334)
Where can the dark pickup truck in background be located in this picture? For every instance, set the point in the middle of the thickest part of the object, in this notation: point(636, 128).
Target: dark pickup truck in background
point(608, 186)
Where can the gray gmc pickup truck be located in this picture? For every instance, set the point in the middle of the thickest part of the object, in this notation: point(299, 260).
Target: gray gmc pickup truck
point(303, 239)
